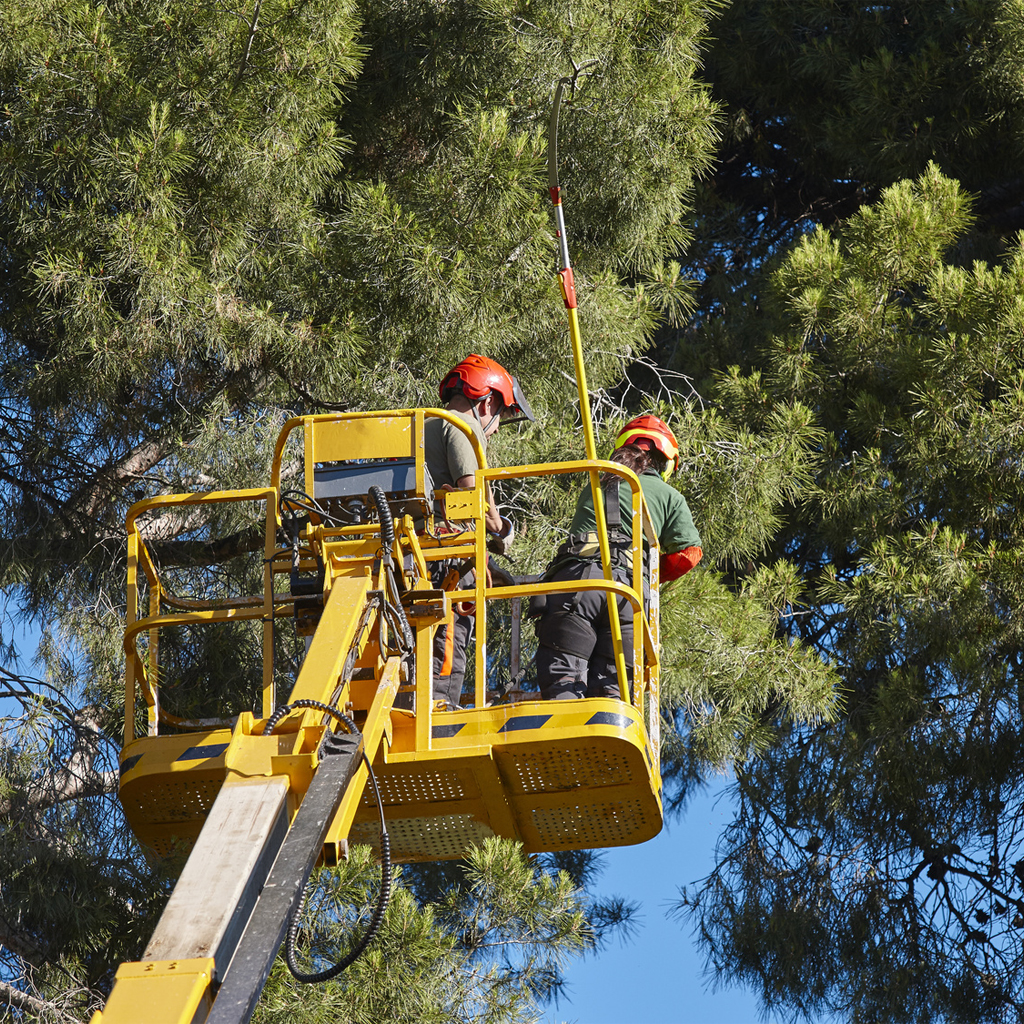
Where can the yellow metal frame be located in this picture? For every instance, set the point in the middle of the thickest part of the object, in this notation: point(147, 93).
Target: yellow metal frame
point(166, 609)
point(172, 992)
point(555, 775)
point(335, 437)
point(466, 761)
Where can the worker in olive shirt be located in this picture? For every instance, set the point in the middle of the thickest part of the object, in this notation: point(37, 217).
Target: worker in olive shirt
point(576, 656)
point(485, 395)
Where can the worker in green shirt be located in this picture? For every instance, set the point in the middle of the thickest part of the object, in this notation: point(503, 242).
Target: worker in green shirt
point(576, 657)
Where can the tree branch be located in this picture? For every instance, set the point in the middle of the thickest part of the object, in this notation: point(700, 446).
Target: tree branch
point(18, 943)
point(11, 996)
point(72, 781)
point(184, 552)
point(142, 458)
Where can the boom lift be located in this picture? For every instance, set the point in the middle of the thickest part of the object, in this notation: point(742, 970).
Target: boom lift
point(262, 798)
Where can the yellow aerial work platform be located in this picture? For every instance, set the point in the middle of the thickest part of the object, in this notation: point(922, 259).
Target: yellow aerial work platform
point(260, 793)
point(554, 774)
point(351, 582)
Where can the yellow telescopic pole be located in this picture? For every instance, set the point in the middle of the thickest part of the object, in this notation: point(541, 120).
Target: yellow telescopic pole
point(568, 286)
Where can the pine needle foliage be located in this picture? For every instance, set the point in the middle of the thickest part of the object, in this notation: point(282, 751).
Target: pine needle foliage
point(215, 217)
point(824, 105)
point(874, 864)
point(491, 951)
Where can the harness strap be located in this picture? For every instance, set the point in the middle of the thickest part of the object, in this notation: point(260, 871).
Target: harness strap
point(612, 512)
point(586, 547)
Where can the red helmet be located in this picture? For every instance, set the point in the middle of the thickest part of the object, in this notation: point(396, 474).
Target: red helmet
point(477, 376)
point(648, 432)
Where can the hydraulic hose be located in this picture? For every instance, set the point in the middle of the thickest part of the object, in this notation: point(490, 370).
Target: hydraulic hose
point(394, 607)
point(384, 897)
point(387, 522)
point(296, 499)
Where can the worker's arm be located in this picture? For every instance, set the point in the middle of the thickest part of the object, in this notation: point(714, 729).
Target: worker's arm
point(679, 563)
point(492, 518)
point(679, 539)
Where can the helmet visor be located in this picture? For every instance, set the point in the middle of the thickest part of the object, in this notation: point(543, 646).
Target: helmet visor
point(520, 409)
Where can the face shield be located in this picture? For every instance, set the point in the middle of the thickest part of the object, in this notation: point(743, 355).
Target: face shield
point(520, 410)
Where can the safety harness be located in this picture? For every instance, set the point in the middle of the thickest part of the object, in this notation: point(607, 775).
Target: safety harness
point(565, 629)
point(586, 547)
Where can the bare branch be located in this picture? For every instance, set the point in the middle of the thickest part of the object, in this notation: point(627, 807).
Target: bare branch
point(248, 42)
point(11, 996)
point(139, 461)
point(185, 552)
point(17, 942)
point(74, 780)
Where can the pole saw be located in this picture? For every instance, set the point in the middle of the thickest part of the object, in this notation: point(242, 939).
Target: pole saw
point(568, 286)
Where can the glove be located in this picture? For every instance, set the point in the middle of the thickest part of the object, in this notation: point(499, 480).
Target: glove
point(501, 543)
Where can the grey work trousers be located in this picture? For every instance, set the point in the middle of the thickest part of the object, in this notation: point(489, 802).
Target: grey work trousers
point(576, 656)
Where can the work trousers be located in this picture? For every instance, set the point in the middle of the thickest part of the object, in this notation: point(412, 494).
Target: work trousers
point(575, 656)
point(451, 647)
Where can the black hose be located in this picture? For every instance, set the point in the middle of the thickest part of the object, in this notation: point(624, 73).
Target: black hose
point(297, 499)
point(385, 862)
point(387, 537)
point(387, 521)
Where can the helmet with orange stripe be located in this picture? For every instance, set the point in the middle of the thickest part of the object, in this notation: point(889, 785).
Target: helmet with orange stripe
point(648, 432)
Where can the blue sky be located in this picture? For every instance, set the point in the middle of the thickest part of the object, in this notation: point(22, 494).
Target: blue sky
point(657, 977)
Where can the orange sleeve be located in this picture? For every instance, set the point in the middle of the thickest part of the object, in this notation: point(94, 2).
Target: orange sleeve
point(671, 567)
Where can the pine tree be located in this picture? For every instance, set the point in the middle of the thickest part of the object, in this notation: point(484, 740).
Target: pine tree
point(826, 104)
point(870, 869)
point(214, 218)
point(874, 864)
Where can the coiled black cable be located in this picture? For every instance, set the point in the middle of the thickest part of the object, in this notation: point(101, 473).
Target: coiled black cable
point(385, 861)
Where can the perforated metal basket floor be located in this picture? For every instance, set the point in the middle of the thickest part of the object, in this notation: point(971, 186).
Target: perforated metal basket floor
point(169, 784)
point(557, 775)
